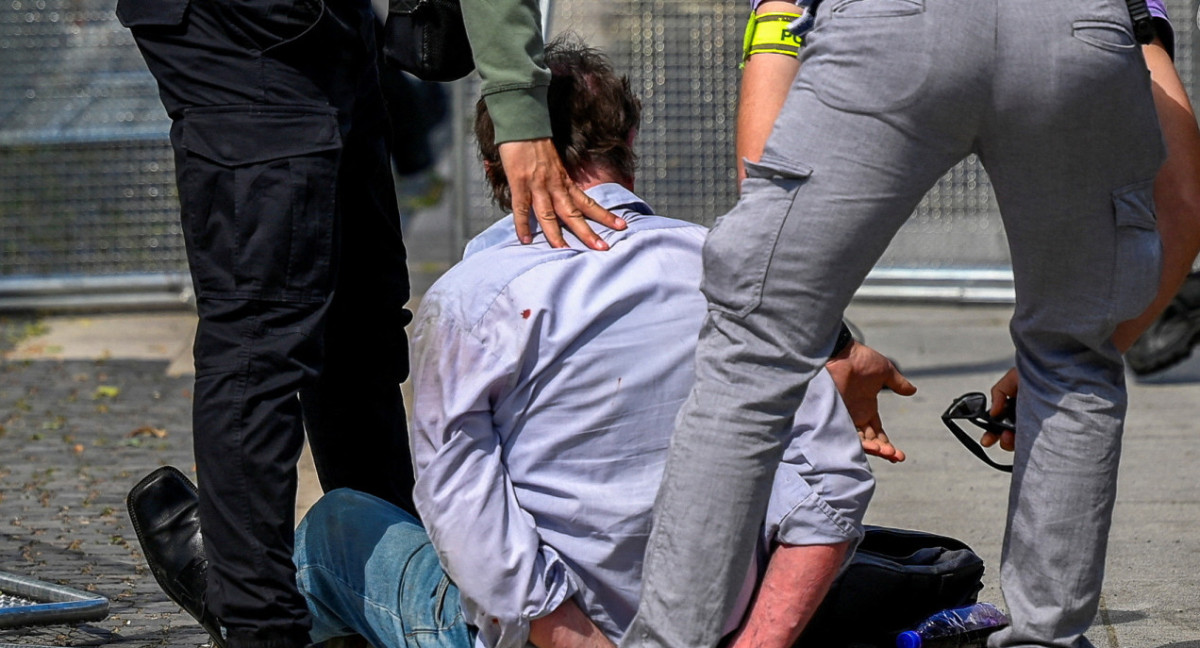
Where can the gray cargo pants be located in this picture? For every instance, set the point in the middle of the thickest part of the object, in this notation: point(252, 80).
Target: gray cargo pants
point(1054, 98)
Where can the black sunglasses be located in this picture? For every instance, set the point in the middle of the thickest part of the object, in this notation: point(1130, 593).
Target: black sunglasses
point(973, 407)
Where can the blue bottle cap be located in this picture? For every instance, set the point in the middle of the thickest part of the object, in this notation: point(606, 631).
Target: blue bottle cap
point(908, 639)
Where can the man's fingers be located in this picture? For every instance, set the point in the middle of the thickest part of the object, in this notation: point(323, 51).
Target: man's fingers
point(575, 207)
point(591, 210)
point(543, 208)
point(522, 210)
point(1003, 390)
point(999, 401)
point(521, 220)
point(875, 442)
point(542, 189)
point(1008, 440)
point(870, 446)
point(899, 384)
point(887, 449)
point(558, 205)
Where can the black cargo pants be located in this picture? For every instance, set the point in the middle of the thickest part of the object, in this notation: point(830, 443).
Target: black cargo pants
point(294, 244)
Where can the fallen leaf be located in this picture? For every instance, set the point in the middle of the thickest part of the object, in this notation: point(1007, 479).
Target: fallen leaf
point(146, 430)
point(106, 391)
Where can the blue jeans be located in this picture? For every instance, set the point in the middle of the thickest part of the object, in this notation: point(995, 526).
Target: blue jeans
point(365, 566)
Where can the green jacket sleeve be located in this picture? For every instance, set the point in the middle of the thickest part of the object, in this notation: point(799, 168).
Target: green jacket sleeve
point(507, 43)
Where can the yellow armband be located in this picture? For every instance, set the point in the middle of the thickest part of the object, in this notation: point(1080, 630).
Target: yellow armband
point(769, 33)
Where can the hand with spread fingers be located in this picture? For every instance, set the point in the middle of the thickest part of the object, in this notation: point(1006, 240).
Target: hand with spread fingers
point(860, 373)
point(542, 189)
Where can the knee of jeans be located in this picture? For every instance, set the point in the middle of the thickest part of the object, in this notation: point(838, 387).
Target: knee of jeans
point(334, 515)
point(343, 505)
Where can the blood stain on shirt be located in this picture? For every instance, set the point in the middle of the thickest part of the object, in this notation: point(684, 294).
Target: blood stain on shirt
point(525, 313)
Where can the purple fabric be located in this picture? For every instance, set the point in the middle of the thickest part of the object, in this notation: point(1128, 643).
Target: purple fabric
point(1162, 23)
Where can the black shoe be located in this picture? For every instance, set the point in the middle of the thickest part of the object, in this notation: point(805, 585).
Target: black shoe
point(163, 509)
point(1171, 337)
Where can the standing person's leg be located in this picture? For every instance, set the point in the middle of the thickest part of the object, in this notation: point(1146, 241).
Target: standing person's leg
point(366, 567)
point(284, 214)
point(868, 128)
point(353, 411)
point(259, 120)
point(1072, 149)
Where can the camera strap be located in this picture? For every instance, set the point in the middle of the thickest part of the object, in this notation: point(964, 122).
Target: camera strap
point(1143, 22)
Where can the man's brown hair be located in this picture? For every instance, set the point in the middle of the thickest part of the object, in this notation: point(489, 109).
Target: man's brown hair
point(593, 115)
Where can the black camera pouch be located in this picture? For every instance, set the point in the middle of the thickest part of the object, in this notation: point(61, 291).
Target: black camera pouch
point(427, 38)
point(895, 580)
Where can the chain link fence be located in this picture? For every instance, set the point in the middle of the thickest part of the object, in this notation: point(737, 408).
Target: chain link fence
point(88, 209)
point(88, 206)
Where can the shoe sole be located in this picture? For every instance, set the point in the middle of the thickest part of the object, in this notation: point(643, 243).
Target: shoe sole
point(1171, 356)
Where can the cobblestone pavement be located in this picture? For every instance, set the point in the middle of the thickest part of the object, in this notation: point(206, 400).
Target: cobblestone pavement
point(74, 437)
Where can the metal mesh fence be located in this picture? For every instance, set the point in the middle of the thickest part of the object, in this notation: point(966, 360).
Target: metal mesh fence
point(86, 177)
point(87, 180)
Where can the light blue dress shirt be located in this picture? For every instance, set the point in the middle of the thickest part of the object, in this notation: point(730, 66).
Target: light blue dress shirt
point(546, 383)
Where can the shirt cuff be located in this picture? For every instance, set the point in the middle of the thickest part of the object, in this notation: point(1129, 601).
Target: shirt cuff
point(519, 113)
point(1166, 33)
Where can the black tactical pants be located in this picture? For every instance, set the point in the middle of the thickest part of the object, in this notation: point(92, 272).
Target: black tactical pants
point(294, 243)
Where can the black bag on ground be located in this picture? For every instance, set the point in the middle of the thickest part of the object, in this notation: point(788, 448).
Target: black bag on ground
point(427, 38)
point(895, 580)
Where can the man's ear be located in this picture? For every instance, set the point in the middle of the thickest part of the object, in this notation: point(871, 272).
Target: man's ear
point(631, 136)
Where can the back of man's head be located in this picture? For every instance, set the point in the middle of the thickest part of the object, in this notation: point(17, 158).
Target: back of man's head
point(593, 117)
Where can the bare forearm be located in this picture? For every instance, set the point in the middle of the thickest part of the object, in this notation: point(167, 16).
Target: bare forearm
point(1176, 190)
point(567, 627)
point(766, 80)
point(797, 580)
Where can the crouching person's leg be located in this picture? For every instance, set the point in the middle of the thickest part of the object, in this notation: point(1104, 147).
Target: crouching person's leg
point(367, 567)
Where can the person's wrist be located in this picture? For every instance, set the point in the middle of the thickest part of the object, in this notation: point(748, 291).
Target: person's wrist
point(844, 339)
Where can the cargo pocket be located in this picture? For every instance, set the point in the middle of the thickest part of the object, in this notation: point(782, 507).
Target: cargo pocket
point(257, 191)
point(872, 56)
point(738, 250)
point(151, 13)
point(1137, 261)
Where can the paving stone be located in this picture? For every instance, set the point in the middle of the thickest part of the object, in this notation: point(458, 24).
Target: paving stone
point(74, 437)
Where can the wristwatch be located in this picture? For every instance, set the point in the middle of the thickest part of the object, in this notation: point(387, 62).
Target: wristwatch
point(844, 338)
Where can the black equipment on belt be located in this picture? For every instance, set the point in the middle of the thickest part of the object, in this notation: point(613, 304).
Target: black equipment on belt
point(1143, 22)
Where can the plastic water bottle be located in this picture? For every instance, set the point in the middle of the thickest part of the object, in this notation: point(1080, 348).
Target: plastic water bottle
point(964, 627)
